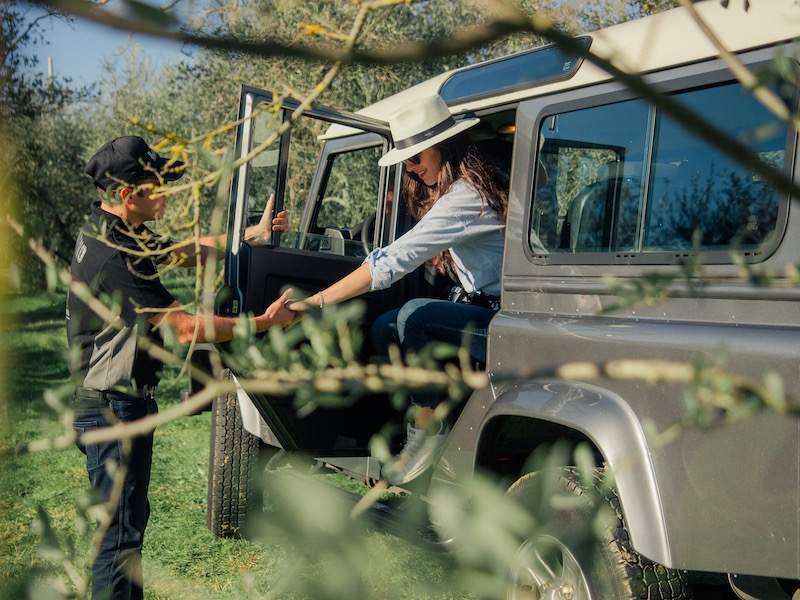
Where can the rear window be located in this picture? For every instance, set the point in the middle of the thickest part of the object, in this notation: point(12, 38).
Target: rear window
point(624, 178)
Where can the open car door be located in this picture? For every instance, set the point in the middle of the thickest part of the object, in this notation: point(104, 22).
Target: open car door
point(336, 195)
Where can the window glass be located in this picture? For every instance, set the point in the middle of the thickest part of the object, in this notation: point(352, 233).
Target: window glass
point(304, 150)
point(348, 196)
point(263, 169)
point(589, 179)
point(351, 193)
point(518, 71)
point(696, 188)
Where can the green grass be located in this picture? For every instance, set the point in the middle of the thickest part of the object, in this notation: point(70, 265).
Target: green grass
point(182, 559)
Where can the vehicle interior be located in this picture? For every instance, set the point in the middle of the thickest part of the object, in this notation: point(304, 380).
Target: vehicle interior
point(341, 206)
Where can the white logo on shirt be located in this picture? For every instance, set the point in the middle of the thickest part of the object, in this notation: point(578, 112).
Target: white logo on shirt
point(80, 251)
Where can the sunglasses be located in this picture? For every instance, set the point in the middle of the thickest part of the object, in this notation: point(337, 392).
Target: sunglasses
point(414, 160)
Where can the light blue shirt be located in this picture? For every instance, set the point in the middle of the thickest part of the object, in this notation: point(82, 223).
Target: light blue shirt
point(458, 221)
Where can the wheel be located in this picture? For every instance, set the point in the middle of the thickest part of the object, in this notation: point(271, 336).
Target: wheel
point(569, 562)
point(232, 463)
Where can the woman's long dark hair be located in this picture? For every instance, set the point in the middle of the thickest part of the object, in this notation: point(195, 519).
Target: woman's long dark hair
point(460, 160)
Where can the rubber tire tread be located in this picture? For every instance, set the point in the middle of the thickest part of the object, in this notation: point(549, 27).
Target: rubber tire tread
point(634, 576)
point(233, 456)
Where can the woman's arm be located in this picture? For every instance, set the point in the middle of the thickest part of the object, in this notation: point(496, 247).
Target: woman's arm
point(349, 286)
point(451, 220)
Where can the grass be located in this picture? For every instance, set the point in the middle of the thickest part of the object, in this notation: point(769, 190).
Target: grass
point(182, 559)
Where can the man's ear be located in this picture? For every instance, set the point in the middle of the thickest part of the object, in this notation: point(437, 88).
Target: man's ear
point(124, 194)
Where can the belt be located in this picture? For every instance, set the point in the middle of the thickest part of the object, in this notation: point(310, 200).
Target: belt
point(476, 298)
point(147, 392)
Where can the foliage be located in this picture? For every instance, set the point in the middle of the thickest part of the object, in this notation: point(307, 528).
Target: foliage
point(311, 537)
point(42, 117)
point(193, 96)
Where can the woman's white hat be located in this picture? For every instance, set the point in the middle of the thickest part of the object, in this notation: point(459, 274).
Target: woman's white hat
point(420, 125)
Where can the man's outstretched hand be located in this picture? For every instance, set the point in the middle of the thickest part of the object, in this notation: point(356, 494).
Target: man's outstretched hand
point(277, 313)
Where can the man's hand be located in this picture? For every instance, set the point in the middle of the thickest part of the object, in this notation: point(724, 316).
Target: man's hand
point(276, 314)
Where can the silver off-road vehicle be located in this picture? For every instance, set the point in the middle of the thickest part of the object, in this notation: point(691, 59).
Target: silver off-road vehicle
point(601, 184)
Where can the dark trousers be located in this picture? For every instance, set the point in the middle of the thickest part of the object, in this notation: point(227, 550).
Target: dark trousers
point(424, 320)
point(117, 571)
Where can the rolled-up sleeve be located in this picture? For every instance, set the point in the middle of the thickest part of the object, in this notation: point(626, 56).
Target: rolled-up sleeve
point(448, 222)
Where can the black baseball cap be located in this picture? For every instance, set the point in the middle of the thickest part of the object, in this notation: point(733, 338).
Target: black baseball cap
point(129, 160)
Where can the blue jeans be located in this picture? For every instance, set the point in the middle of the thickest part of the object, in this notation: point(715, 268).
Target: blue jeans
point(117, 572)
point(424, 320)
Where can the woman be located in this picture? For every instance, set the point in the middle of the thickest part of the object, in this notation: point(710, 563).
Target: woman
point(461, 209)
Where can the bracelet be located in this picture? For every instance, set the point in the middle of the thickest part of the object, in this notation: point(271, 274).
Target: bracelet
point(321, 300)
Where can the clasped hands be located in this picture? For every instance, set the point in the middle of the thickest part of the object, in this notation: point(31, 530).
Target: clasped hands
point(286, 309)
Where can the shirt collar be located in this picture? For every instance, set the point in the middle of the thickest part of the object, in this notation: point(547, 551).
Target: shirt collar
point(113, 222)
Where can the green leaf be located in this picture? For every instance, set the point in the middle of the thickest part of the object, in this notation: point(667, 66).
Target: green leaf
point(379, 448)
point(569, 502)
point(584, 460)
point(51, 274)
point(776, 394)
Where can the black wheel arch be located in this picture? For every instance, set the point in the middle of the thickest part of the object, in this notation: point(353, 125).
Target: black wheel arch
point(507, 441)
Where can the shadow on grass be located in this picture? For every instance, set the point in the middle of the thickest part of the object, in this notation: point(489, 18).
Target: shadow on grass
point(35, 369)
point(36, 315)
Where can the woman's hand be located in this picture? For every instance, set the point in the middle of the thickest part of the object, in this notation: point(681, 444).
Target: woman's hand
point(277, 313)
point(300, 306)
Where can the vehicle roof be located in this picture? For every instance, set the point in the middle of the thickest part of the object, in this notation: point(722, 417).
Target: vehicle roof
point(656, 42)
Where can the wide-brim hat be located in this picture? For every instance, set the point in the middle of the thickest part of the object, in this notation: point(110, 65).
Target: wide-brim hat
point(128, 160)
point(420, 125)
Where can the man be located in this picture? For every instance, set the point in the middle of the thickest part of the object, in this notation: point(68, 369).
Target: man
point(116, 256)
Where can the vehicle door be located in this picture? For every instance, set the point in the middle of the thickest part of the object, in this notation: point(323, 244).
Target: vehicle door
point(336, 194)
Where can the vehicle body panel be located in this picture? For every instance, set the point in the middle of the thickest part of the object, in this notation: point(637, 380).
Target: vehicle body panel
point(725, 499)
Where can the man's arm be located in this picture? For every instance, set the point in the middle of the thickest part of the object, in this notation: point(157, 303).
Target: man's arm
point(213, 328)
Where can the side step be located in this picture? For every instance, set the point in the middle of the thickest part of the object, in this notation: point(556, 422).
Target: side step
point(365, 469)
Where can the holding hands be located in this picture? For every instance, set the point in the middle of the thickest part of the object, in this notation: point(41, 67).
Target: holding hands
point(277, 313)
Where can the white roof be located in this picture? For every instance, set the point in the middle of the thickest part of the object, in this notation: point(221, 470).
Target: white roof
point(644, 45)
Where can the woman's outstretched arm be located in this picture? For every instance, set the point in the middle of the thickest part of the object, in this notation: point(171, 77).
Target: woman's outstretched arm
point(350, 286)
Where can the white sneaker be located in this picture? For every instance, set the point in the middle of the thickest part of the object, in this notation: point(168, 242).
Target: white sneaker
point(416, 456)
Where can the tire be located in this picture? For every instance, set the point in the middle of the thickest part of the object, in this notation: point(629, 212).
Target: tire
point(598, 566)
point(232, 465)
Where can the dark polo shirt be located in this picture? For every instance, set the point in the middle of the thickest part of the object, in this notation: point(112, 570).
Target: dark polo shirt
point(107, 258)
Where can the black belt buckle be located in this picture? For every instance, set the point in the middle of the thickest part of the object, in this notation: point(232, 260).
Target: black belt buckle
point(476, 298)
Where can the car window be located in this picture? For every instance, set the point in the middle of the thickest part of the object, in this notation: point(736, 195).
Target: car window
point(349, 199)
point(695, 188)
point(262, 171)
point(344, 221)
point(589, 179)
point(625, 178)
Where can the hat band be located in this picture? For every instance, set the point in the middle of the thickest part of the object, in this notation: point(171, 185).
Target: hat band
point(425, 135)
